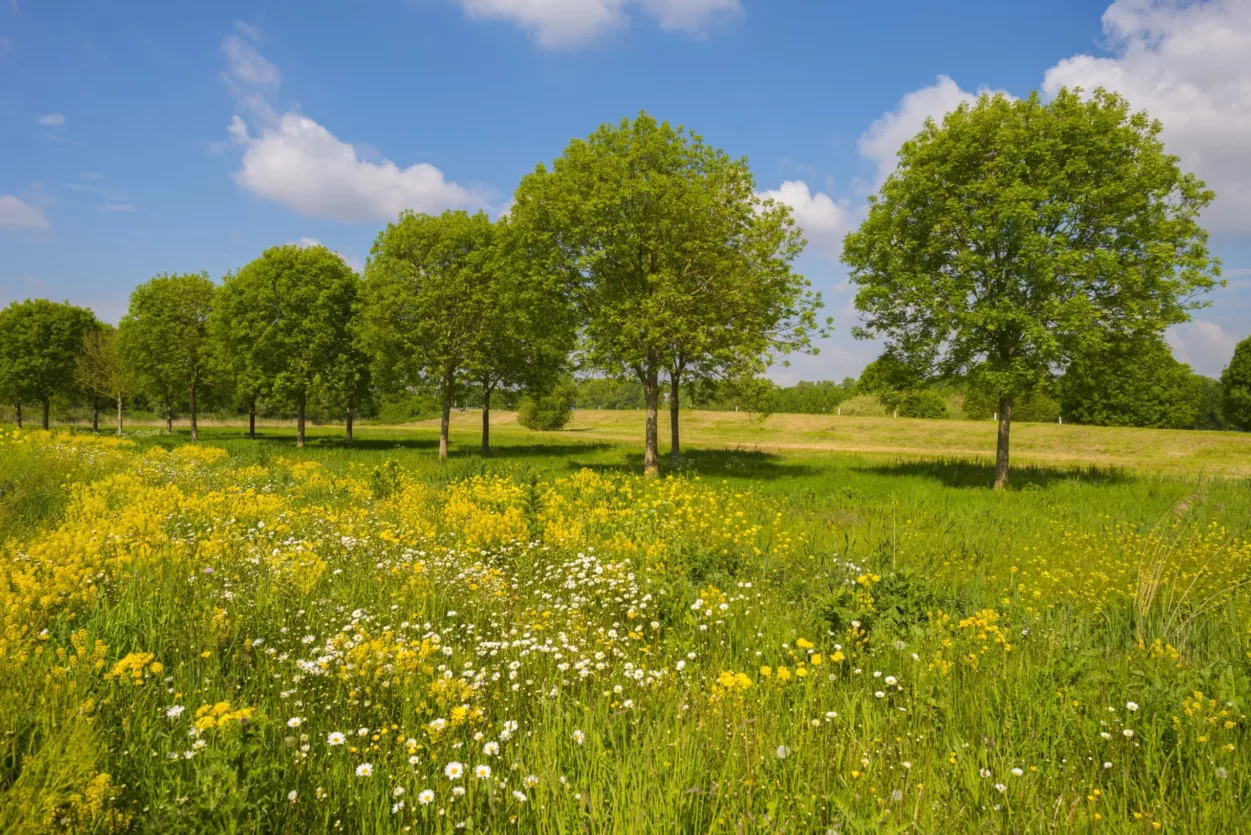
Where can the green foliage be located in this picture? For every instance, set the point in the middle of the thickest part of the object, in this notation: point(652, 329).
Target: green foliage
point(1037, 406)
point(39, 346)
point(101, 370)
point(288, 319)
point(548, 411)
point(888, 377)
point(1211, 414)
point(1236, 387)
point(164, 338)
point(923, 403)
point(1021, 235)
point(609, 393)
point(442, 309)
point(385, 479)
point(805, 398)
point(1133, 382)
point(672, 262)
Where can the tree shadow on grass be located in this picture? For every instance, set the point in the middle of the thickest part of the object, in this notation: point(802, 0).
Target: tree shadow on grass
point(964, 473)
point(708, 463)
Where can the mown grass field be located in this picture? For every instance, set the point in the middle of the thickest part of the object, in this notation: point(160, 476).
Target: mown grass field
point(781, 635)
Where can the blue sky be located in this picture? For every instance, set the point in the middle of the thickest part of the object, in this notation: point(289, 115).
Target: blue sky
point(140, 138)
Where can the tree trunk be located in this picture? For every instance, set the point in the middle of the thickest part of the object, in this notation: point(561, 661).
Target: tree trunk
point(252, 419)
point(195, 430)
point(95, 417)
point(651, 396)
point(348, 433)
point(299, 425)
point(675, 446)
point(486, 421)
point(169, 420)
point(18, 408)
point(47, 408)
point(445, 422)
point(119, 416)
point(1001, 453)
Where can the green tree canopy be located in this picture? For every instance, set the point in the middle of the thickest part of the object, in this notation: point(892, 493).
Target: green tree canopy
point(165, 340)
point(451, 303)
point(1236, 387)
point(289, 317)
point(430, 292)
point(1019, 236)
point(1131, 382)
point(674, 265)
point(39, 345)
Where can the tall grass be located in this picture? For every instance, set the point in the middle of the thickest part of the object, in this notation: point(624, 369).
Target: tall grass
point(759, 643)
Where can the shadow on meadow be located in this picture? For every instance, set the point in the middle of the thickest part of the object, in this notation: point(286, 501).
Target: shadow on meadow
point(963, 473)
point(746, 464)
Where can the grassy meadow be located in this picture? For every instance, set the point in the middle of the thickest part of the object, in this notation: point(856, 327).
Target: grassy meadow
point(810, 624)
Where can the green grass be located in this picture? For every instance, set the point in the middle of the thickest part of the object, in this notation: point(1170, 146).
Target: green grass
point(1020, 624)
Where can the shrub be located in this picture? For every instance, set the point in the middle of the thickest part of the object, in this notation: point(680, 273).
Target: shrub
point(546, 412)
point(923, 403)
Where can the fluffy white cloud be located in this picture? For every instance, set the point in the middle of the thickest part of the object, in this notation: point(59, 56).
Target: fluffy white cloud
point(296, 162)
point(301, 165)
point(880, 143)
point(16, 213)
point(52, 120)
point(1205, 346)
point(1187, 64)
point(824, 221)
point(558, 24)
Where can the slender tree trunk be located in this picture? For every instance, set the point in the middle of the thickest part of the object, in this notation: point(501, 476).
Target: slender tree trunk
point(95, 417)
point(252, 419)
point(119, 416)
point(446, 421)
point(675, 385)
point(486, 421)
point(299, 425)
point(348, 433)
point(47, 408)
point(169, 420)
point(18, 408)
point(195, 430)
point(1001, 453)
point(651, 443)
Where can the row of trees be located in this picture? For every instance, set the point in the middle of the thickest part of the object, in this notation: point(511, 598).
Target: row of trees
point(642, 252)
point(1017, 243)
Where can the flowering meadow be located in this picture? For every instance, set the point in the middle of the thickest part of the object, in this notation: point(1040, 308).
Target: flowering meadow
point(198, 640)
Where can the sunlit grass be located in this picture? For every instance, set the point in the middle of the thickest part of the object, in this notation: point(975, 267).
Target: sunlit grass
point(243, 635)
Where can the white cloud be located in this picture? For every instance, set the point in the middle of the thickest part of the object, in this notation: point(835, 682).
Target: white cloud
point(1187, 64)
point(111, 208)
point(556, 24)
point(51, 120)
point(690, 16)
point(18, 214)
point(298, 163)
point(881, 142)
point(6, 43)
point(824, 221)
point(247, 66)
point(1205, 346)
point(301, 165)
